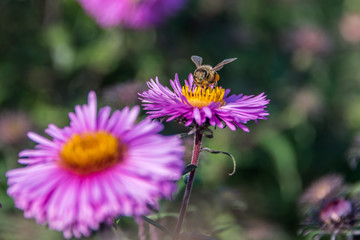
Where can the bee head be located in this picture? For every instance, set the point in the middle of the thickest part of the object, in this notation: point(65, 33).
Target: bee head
point(199, 75)
point(202, 73)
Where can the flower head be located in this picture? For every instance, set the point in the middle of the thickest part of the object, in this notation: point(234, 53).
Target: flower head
point(335, 217)
point(200, 106)
point(337, 211)
point(100, 167)
point(131, 13)
point(329, 207)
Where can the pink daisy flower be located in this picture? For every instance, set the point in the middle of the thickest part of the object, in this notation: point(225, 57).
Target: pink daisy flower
point(196, 105)
point(130, 13)
point(100, 167)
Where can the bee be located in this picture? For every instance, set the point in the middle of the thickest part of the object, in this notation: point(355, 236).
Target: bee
point(206, 75)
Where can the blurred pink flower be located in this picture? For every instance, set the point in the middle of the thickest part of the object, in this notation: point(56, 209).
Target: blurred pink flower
point(350, 27)
point(123, 94)
point(131, 13)
point(321, 189)
point(336, 210)
point(13, 127)
point(330, 208)
point(308, 38)
point(100, 167)
point(307, 102)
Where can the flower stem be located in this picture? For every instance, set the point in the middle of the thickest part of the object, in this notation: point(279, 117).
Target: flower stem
point(333, 236)
point(142, 230)
point(194, 160)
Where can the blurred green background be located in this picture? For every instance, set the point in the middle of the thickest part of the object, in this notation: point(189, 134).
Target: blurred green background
point(305, 55)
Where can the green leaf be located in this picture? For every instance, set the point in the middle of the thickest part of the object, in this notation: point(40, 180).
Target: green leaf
point(158, 225)
point(188, 169)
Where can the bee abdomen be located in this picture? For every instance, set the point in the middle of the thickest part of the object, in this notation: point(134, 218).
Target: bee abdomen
point(217, 77)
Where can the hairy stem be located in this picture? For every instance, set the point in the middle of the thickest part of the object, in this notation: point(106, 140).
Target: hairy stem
point(194, 160)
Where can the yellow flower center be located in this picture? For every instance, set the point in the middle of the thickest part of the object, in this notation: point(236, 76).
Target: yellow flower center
point(91, 152)
point(202, 97)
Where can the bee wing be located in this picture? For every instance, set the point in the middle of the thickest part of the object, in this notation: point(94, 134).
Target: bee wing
point(221, 65)
point(197, 60)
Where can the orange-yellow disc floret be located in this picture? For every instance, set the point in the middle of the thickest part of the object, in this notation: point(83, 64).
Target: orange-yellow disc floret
point(202, 97)
point(91, 152)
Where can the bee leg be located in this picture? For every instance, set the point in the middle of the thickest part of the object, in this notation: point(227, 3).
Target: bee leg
point(217, 78)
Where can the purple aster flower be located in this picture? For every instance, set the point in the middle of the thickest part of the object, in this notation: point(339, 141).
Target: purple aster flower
point(192, 104)
point(131, 13)
point(101, 166)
